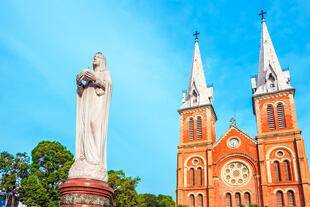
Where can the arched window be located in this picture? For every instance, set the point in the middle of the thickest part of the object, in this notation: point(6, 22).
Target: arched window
point(270, 115)
point(280, 200)
point(191, 129)
point(238, 199)
point(281, 117)
point(198, 127)
point(277, 172)
point(199, 176)
point(200, 200)
point(247, 199)
point(228, 200)
point(192, 176)
point(192, 200)
point(287, 172)
point(291, 198)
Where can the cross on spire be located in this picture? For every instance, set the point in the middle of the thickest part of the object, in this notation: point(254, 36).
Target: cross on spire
point(262, 14)
point(196, 34)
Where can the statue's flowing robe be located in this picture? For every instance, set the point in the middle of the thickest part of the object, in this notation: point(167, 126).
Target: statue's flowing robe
point(92, 111)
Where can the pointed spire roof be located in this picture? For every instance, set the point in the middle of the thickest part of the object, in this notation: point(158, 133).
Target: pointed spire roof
point(270, 75)
point(197, 92)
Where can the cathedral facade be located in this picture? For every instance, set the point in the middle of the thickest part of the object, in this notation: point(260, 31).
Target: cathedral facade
point(270, 169)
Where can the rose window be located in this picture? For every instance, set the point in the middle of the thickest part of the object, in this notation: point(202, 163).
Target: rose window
point(236, 173)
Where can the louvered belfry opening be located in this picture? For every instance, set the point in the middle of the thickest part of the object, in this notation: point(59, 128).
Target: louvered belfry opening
point(198, 127)
point(270, 115)
point(287, 172)
point(281, 117)
point(291, 198)
point(191, 129)
point(280, 200)
point(277, 172)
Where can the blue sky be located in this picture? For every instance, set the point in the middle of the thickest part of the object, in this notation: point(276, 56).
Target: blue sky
point(149, 47)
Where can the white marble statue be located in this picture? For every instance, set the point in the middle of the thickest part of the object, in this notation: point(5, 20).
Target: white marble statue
point(94, 89)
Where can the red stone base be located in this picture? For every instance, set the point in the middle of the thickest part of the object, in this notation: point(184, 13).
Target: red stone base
point(82, 192)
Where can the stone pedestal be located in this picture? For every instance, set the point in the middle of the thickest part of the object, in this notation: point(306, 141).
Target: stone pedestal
point(82, 192)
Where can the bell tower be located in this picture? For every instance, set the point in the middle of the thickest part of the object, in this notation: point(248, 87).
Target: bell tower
point(283, 163)
point(197, 135)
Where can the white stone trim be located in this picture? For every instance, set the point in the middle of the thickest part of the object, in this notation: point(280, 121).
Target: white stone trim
point(273, 103)
point(280, 151)
point(189, 194)
point(283, 190)
point(247, 191)
point(228, 130)
point(279, 101)
point(199, 115)
point(276, 159)
point(228, 191)
point(293, 158)
point(237, 191)
point(278, 189)
point(195, 194)
point(199, 166)
point(187, 159)
point(186, 168)
point(285, 158)
point(187, 118)
point(268, 171)
point(292, 189)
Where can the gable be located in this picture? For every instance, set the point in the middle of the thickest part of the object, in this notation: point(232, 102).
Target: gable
point(234, 140)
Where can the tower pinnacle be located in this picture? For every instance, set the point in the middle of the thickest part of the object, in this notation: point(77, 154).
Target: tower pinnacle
point(197, 93)
point(270, 75)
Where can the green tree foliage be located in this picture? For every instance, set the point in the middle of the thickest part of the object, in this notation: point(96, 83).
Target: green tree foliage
point(12, 171)
point(51, 162)
point(33, 193)
point(165, 200)
point(150, 200)
point(147, 200)
point(38, 183)
point(126, 195)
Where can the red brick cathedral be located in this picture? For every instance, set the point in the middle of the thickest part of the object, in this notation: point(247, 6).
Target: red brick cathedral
point(270, 169)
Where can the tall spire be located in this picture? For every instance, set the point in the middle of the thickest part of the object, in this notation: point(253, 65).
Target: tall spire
point(270, 75)
point(197, 93)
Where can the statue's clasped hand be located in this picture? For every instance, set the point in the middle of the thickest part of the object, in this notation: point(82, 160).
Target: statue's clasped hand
point(89, 76)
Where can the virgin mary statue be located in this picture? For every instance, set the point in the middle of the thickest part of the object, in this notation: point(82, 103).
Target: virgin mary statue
point(94, 89)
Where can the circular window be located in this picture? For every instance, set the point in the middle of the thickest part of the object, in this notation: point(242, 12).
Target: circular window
point(195, 161)
point(236, 173)
point(280, 153)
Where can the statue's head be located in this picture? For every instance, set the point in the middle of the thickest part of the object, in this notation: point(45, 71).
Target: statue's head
point(99, 61)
